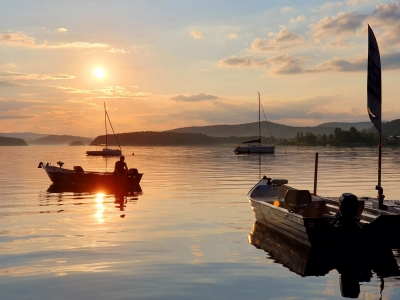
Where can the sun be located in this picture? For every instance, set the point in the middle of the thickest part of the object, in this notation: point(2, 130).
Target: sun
point(99, 72)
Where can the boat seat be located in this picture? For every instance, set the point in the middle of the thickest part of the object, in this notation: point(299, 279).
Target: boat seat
point(78, 169)
point(298, 198)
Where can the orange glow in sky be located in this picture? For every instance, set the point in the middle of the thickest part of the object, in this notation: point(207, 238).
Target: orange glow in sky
point(99, 72)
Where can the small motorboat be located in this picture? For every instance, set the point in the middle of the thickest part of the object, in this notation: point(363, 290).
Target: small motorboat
point(323, 221)
point(77, 176)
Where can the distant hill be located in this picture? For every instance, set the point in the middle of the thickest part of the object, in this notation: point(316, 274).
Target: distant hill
point(77, 143)
point(391, 128)
point(60, 140)
point(251, 129)
point(346, 126)
point(9, 141)
point(27, 136)
point(152, 138)
point(281, 131)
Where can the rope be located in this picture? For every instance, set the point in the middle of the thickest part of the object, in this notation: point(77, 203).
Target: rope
point(266, 120)
point(113, 130)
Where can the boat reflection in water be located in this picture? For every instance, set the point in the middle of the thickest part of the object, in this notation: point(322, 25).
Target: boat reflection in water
point(80, 193)
point(354, 265)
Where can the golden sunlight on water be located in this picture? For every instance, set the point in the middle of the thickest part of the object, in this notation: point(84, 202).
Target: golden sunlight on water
point(184, 232)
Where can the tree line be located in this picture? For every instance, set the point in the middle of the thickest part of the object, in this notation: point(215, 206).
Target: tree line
point(338, 137)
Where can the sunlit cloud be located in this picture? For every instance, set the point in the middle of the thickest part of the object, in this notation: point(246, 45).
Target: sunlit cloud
point(358, 2)
point(11, 105)
point(232, 36)
point(299, 19)
point(14, 117)
point(387, 16)
point(287, 9)
point(284, 39)
point(240, 62)
point(21, 39)
point(196, 34)
point(104, 92)
point(61, 29)
point(25, 76)
point(114, 50)
point(341, 25)
point(18, 39)
point(280, 64)
point(329, 6)
point(192, 98)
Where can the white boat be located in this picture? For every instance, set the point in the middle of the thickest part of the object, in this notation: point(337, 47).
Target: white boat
point(255, 146)
point(106, 151)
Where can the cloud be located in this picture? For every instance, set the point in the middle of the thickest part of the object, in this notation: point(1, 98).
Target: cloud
point(240, 62)
point(21, 39)
point(343, 24)
point(357, 2)
point(18, 39)
point(284, 39)
point(387, 16)
point(109, 92)
point(196, 34)
point(286, 64)
point(12, 84)
point(15, 117)
point(281, 64)
point(232, 36)
point(195, 98)
point(113, 50)
point(340, 65)
point(298, 19)
point(25, 76)
point(287, 10)
point(61, 29)
point(11, 105)
point(328, 6)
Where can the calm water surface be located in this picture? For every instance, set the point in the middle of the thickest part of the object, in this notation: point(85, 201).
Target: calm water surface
point(184, 237)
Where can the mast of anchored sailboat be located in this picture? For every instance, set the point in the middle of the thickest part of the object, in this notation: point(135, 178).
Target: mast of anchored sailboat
point(105, 121)
point(374, 99)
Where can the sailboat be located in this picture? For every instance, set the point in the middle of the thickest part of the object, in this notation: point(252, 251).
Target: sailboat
point(106, 151)
point(255, 146)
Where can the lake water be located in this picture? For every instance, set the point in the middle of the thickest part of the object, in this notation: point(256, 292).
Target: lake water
point(184, 237)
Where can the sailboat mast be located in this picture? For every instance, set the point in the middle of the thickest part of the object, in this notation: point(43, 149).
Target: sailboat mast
point(259, 118)
point(105, 120)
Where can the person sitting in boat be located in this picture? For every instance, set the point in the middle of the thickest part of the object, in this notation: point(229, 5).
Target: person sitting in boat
point(120, 167)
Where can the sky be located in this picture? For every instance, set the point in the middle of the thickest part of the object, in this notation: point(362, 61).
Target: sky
point(160, 65)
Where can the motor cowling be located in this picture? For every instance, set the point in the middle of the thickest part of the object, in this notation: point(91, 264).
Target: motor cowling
point(133, 172)
point(348, 205)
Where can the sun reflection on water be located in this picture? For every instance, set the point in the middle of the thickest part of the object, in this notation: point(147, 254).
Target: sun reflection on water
point(100, 208)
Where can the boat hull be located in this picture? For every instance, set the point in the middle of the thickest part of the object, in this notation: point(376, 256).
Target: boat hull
point(255, 149)
point(105, 153)
point(106, 180)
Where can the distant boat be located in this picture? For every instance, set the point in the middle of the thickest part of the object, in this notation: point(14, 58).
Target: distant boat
point(255, 146)
point(106, 151)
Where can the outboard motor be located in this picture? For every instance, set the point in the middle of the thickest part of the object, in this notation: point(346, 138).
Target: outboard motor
point(347, 214)
point(348, 205)
point(133, 172)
